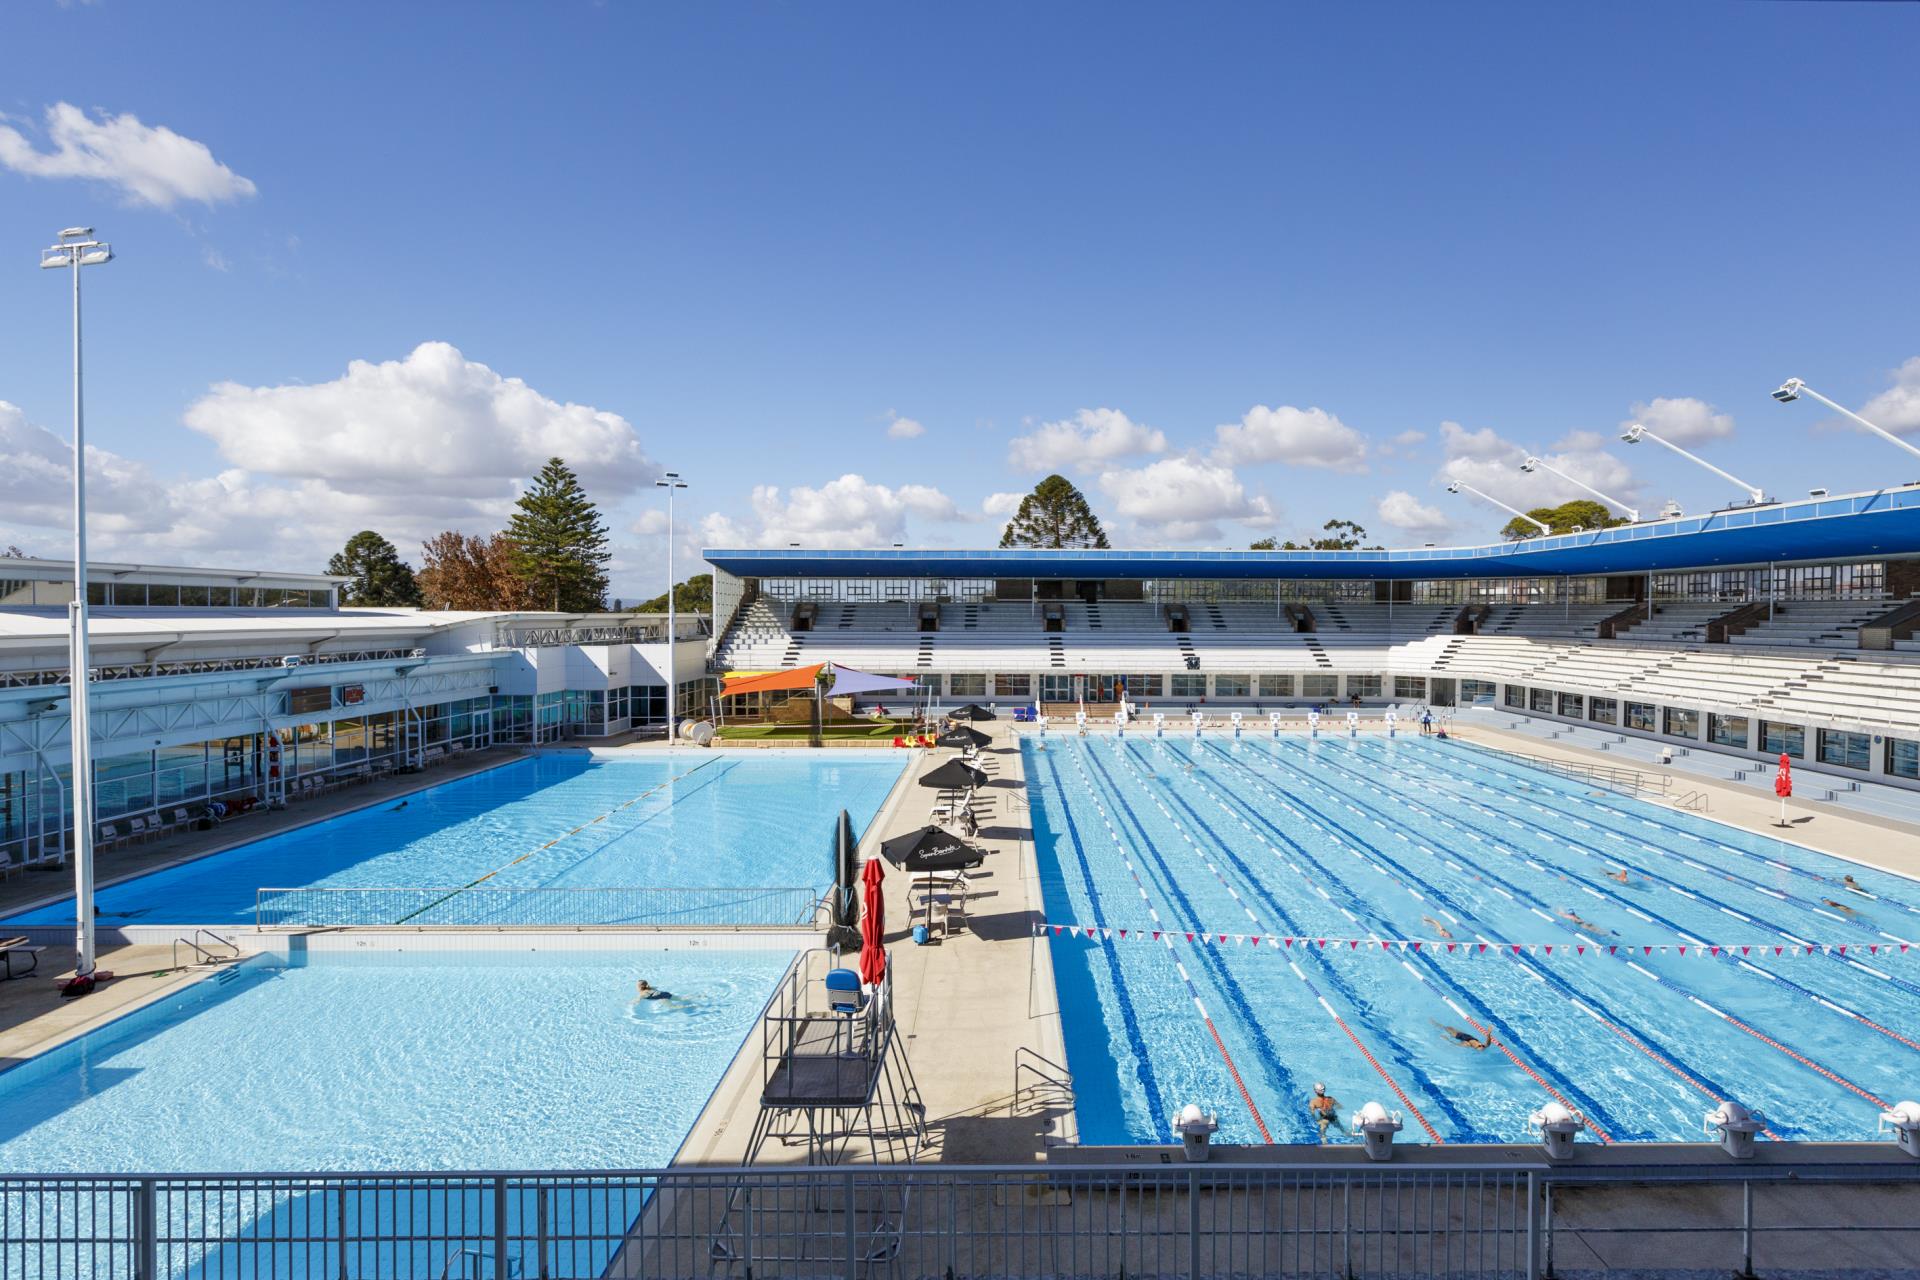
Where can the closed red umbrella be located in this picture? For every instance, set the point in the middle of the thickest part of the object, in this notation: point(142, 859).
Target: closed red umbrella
point(1783, 785)
point(873, 955)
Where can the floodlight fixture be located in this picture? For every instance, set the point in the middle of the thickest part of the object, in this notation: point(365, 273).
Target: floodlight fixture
point(1534, 464)
point(1636, 432)
point(1793, 388)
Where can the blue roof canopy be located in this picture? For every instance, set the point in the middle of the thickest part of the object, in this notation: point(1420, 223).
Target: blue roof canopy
point(1862, 526)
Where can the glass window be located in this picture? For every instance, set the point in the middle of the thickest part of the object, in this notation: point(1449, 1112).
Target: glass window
point(964, 685)
point(1728, 731)
point(1189, 686)
point(130, 593)
point(1276, 686)
point(1056, 688)
point(1640, 716)
point(1232, 686)
point(1542, 700)
point(1603, 710)
point(1776, 738)
point(1474, 690)
point(1903, 758)
point(193, 597)
point(1848, 750)
point(1516, 695)
point(1319, 686)
point(1570, 705)
point(1682, 723)
point(1143, 686)
point(1364, 686)
point(1409, 686)
point(1012, 686)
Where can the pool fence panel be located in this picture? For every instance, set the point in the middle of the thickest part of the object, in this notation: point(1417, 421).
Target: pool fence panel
point(1501, 1218)
point(536, 905)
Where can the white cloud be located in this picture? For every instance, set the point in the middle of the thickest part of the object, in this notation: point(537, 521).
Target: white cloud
point(1491, 463)
point(1182, 498)
point(1681, 419)
point(1303, 437)
point(1001, 504)
point(1402, 510)
point(899, 428)
point(150, 164)
point(1090, 436)
point(1897, 409)
point(848, 512)
point(1407, 439)
point(650, 523)
point(433, 422)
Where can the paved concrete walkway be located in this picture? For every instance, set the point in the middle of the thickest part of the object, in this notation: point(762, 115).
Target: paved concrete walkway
point(965, 1004)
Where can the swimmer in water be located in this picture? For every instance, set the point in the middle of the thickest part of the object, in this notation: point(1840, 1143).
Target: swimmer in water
point(1325, 1108)
point(1619, 876)
point(1588, 925)
point(1854, 885)
point(1841, 907)
point(397, 808)
point(1461, 1038)
point(647, 991)
point(1436, 926)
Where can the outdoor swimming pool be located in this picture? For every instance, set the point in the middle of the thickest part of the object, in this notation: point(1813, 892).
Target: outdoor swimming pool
point(563, 822)
point(384, 1060)
point(1325, 848)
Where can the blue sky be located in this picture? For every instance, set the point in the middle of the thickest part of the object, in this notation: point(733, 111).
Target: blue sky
point(762, 244)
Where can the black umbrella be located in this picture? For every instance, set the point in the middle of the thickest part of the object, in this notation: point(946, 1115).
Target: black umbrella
point(931, 849)
point(962, 736)
point(954, 775)
point(973, 711)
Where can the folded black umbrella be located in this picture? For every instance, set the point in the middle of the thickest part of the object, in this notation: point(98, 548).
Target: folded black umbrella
point(954, 775)
point(962, 736)
point(931, 849)
point(973, 711)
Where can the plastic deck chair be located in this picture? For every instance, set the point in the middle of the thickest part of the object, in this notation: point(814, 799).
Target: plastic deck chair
point(843, 992)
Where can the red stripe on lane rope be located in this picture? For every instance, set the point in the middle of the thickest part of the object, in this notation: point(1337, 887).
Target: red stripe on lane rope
point(1240, 1085)
point(1804, 1061)
point(1669, 1066)
point(1486, 1034)
point(1392, 1084)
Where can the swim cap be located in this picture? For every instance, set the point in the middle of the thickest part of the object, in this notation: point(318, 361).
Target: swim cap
point(1319, 1088)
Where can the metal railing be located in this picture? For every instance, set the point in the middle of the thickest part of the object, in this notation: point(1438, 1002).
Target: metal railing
point(493, 906)
point(1141, 1219)
point(1628, 781)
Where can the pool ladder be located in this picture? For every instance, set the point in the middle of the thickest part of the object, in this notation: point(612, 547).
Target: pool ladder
point(203, 944)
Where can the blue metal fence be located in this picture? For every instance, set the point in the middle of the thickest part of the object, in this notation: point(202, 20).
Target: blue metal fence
point(505, 907)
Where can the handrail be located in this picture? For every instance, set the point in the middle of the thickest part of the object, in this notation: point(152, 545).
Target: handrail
point(1631, 781)
point(1047, 1074)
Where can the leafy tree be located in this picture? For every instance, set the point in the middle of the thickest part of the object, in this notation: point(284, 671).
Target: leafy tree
point(380, 576)
point(1584, 512)
point(695, 595)
point(560, 542)
point(12, 553)
point(1055, 514)
point(466, 571)
point(1341, 535)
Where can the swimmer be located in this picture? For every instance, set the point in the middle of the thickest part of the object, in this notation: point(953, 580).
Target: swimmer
point(1588, 925)
point(397, 808)
point(1854, 885)
point(1461, 1038)
point(647, 991)
point(1436, 926)
point(1325, 1108)
point(1841, 907)
point(1620, 876)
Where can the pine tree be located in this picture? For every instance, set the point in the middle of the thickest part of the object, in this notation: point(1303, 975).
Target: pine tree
point(380, 576)
point(560, 542)
point(1055, 514)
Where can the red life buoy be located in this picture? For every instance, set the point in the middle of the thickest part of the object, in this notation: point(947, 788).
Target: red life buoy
point(273, 755)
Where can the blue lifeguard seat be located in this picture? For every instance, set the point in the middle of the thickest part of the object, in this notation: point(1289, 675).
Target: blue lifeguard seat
point(843, 991)
point(1023, 715)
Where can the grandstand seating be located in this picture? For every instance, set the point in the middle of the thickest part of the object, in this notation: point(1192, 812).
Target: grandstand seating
point(1766, 671)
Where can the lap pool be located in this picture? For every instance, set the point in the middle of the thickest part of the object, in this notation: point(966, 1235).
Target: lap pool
point(566, 823)
point(1636, 963)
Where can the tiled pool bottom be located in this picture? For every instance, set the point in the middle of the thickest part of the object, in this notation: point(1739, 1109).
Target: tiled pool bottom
point(374, 1061)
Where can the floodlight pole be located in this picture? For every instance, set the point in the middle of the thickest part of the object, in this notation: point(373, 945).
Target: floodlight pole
point(1636, 432)
point(1794, 388)
point(1454, 486)
point(1535, 464)
point(671, 482)
point(78, 248)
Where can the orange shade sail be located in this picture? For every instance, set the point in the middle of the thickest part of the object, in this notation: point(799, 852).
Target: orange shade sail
point(772, 681)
